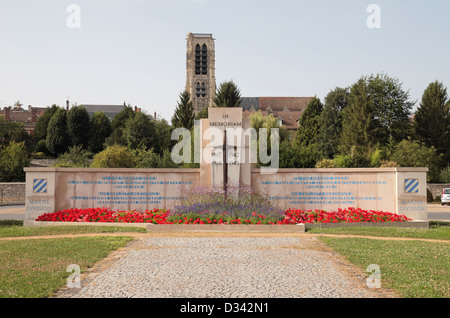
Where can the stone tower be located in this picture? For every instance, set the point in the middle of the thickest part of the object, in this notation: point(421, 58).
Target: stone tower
point(200, 70)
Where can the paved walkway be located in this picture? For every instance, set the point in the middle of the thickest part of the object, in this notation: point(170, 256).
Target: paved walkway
point(224, 267)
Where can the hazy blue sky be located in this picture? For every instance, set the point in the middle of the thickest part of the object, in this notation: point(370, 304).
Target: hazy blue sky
point(134, 50)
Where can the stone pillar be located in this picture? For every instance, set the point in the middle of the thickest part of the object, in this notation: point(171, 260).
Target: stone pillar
point(40, 192)
point(412, 193)
point(225, 149)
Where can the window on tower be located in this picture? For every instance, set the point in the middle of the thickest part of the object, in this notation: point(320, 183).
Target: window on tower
point(204, 60)
point(198, 61)
point(201, 60)
point(199, 90)
point(203, 90)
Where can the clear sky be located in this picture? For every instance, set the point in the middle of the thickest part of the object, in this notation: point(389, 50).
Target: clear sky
point(135, 50)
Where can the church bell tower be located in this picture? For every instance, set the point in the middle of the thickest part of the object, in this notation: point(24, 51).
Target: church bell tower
point(200, 70)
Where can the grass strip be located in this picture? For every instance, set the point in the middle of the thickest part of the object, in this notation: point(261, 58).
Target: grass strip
point(16, 229)
point(437, 231)
point(412, 268)
point(37, 268)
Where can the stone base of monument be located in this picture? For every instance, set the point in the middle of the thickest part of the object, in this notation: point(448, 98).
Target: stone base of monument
point(223, 228)
point(168, 228)
point(235, 228)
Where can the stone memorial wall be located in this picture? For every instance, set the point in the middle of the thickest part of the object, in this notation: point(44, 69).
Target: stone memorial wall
point(225, 159)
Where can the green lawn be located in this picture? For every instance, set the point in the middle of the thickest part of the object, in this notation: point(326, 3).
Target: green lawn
point(16, 229)
point(37, 268)
point(414, 269)
point(437, 231)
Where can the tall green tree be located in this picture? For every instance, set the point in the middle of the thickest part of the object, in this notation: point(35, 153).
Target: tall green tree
point(120, 119)
point(118, 124)
point(162, 136)
point(356, 137)
point(58, 140)
point(184, 113)
point(139, 132)
point(432, 119)
point(228, 95)
point(12, 132)
point(79, 126)
point(391, 108)
point(40, 130)
point(330, 122)
point(101, 129)
point(308, 125)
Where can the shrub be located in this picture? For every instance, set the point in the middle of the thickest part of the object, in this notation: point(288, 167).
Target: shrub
point(411, 153)
point(326, 163)
point(13, 158)
point(76, 157)
point(444, 175)
point(388, 164)
point(115, 156)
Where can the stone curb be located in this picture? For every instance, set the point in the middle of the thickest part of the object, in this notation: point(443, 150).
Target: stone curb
point(167, 228)
point(299, 228)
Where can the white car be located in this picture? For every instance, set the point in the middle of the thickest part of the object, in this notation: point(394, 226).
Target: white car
point(445, 198)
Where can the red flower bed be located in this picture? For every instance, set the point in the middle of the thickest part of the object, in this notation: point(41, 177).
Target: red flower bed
point(156, 216)
point(106, 215)
point(350, 215)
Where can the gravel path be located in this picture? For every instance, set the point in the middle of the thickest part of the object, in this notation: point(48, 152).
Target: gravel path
point(224, 267)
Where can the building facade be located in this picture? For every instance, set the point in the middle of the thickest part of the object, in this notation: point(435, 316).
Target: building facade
point(200, 70)
point(28, 117)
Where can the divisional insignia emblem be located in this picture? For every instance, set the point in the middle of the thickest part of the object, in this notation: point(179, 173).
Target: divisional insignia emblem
point(412, 185)
point(40, 186)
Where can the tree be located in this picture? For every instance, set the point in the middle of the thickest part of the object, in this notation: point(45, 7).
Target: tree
point(115, 156)
point(259, 121)
point(293, 156)
point(101, 129)
point(40, 130)
point(162, 138)
point(202, 114)
point(228, 95)
point(118, 124)
point(79, 126)
point(412, 153)
point(379, 113)
point(308, 126)
point(330, 122)
point(58, 140)
point(120, 119)
point(139, 131)
point(76, 157)
point(390, 109)
point(356, 134)
point(12, 132)
point(13, 158)
point(184, 113)
point(432, 119)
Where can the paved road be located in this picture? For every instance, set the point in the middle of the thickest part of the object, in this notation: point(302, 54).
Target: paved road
point(436, 212)
point(13, 212)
